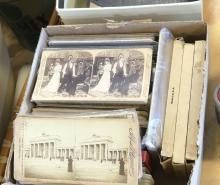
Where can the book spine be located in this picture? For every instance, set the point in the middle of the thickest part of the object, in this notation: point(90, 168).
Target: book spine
point(183, 105)
point(172, 99)
point(196, 98)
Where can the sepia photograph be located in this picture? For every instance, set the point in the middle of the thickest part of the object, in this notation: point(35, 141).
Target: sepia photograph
point(115, 74)
point(85, 150)
point(69, 76)
point(94, 75)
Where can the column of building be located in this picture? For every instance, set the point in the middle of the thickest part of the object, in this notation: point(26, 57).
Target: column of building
point(99, 152)
point(94, 152)
point(43, 150)
point(117, 155)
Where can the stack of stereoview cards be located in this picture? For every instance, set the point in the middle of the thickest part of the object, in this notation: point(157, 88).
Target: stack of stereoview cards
point(91, 148)
point(91, 96)
point(96, 72)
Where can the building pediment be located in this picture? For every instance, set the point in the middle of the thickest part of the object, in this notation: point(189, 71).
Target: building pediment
point(97, 139)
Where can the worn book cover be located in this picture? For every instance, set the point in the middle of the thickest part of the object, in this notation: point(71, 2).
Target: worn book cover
point(95, 149)
point(196, 100)
point(172, 99)
point(183, 105)
point(112, 75)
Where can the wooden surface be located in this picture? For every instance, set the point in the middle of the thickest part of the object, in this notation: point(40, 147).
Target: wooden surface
point(211, 163)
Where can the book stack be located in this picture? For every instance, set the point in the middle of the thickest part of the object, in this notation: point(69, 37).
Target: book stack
point(90, 73)
point(179, 144)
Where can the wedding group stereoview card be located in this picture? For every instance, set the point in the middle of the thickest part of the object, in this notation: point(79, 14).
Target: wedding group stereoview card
point(111, 75)
point(92, 149)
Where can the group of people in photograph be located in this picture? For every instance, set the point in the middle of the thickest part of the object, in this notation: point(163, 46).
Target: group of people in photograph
point(111, 76)
point(65, 78)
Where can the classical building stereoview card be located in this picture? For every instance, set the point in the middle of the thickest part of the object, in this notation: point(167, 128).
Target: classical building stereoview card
point(96, 150)
point(94, 75)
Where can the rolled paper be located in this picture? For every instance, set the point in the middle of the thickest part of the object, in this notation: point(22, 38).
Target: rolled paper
point(153, 137)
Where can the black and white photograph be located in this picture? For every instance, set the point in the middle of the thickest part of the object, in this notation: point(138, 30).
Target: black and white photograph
point(68, 76)
point(105, 153)
point(94, 75)
point(117, 74)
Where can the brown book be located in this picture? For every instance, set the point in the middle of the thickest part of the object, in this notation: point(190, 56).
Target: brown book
point(172, 99)
point(196, 100)
point(183, 105)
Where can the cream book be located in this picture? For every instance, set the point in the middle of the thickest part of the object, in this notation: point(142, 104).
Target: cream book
point(172, 99)
point(92, 149)
point(196, 100)
point(183, 105)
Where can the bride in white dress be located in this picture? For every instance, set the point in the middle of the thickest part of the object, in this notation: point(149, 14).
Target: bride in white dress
point(54, 83)
point(105, 81)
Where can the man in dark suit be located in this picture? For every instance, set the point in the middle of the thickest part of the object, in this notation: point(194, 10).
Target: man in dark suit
point(70, 164)
point(119, 79)
point(69, 76)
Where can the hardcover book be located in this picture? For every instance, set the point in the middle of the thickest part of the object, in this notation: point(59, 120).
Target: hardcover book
point(172, 100)
point(183, 105)
point(196, 100)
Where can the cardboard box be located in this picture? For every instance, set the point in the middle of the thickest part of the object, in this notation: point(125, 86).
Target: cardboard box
point(190, 30)
point(158, 12)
